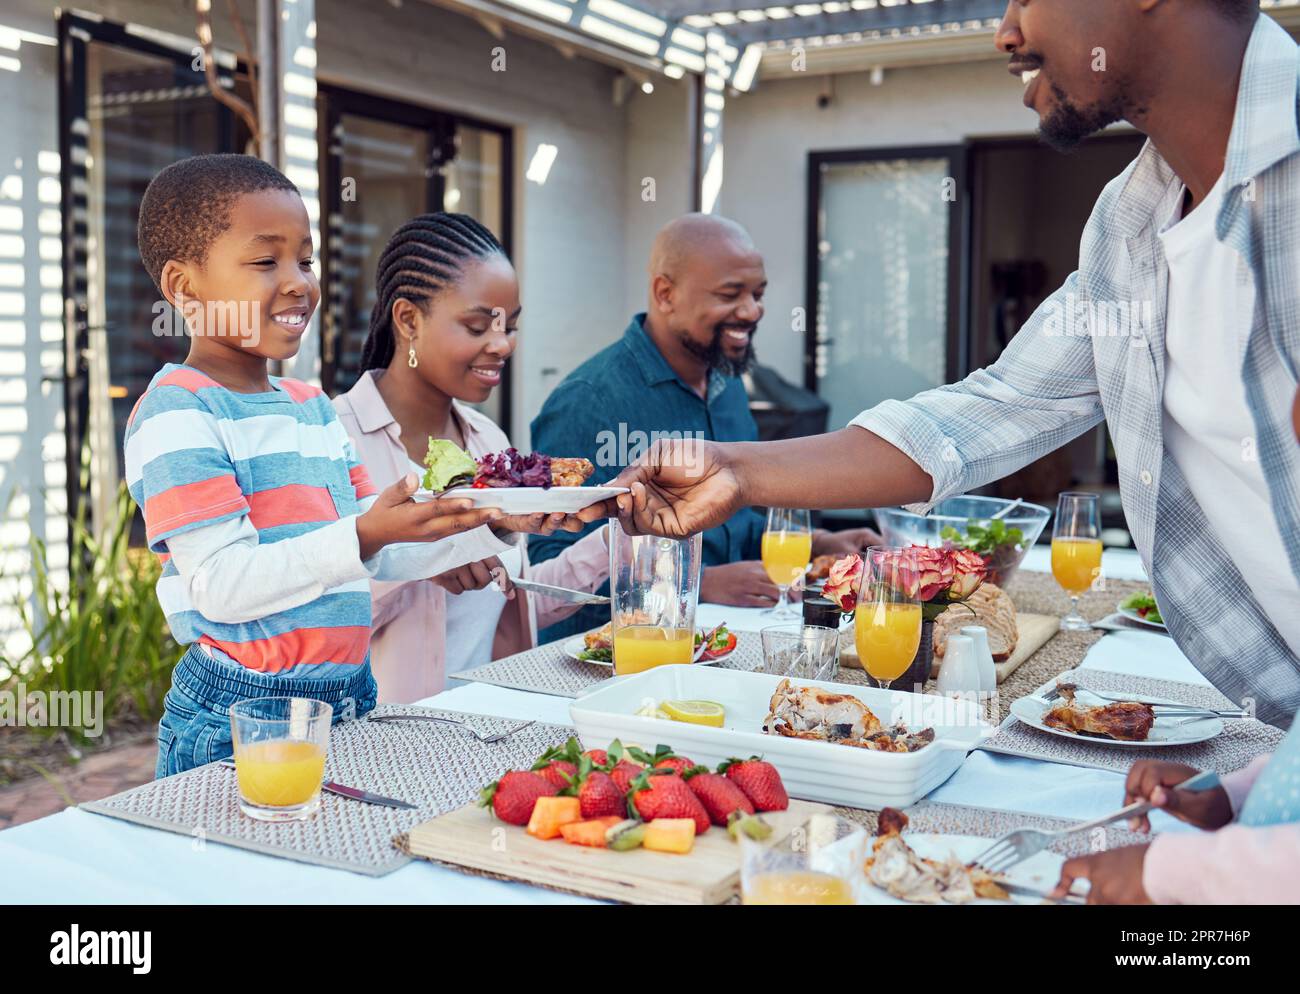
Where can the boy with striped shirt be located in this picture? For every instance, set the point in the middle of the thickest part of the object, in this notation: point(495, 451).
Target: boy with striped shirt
point(268, 527)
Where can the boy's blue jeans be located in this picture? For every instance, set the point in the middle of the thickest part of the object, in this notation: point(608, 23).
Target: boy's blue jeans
point(195, 726)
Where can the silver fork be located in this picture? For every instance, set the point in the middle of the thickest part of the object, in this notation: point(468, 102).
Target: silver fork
point(1021, 843)
point(485, 739)
point(1168, 710)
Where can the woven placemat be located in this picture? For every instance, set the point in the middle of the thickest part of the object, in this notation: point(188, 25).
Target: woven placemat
point(435, 766)
point(1239, 743)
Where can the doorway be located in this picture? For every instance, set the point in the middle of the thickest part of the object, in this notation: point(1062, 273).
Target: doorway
point(387, 162)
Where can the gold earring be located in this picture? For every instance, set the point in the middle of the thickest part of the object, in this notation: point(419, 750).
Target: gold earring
point(410, 357)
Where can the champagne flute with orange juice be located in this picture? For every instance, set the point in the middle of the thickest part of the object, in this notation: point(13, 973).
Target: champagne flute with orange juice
point(787, 550)
point(1076, 550)
point(280, 745)
point(654, 585)
point(887, 621)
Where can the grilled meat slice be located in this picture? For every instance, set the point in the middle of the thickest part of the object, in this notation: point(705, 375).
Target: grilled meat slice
point(812, 713)
point(570, 472)
point(1127, 721)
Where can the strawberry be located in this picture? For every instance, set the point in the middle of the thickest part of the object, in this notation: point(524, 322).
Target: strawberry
point(513, 796)
point(557, 771)
point(678, 764)
point(665, 795)
point(719, 795)
point(624, 773)
point(598, 757)
point(600, 796)
point(760, 782)
point(663, 759)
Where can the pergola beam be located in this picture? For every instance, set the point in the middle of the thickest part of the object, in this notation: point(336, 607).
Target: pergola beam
point(901, 16)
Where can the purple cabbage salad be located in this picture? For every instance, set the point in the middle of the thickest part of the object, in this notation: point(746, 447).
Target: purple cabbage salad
point(512, 469)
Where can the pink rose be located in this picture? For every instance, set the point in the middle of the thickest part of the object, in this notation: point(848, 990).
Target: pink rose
point(843, 582)
point(969, 571)
point(925, 573)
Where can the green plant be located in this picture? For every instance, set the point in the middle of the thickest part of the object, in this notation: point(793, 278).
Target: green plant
point(103, 630)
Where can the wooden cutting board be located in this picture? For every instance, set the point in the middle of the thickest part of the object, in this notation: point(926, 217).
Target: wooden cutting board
point(708, 874)
point(1035, 630)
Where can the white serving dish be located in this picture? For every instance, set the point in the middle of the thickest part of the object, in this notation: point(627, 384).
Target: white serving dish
point(814, 771)
point(527, 500)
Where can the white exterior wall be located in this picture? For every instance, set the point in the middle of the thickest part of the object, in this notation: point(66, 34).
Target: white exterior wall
point(771, 130)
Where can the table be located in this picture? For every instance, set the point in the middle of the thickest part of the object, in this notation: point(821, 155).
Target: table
point(75, 857)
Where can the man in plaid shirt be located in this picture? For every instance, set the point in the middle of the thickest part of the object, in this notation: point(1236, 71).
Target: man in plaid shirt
point(1213, 84)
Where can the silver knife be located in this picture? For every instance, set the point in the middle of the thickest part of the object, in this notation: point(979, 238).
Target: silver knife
point(559, 593)
point(352, 793)
point(1020, 890)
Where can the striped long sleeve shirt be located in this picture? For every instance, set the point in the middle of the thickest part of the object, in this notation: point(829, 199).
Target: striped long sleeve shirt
point(251, 501)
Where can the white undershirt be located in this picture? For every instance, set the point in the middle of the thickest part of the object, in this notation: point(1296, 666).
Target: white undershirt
point(1207, 425)
point(472, 617)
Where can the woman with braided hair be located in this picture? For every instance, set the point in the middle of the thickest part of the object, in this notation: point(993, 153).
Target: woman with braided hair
point(444, 324)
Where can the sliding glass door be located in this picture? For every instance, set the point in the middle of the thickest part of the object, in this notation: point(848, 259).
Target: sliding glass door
point(883, 275)
point(387, 162)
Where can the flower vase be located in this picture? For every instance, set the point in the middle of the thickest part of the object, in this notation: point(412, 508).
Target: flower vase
point(916, 675)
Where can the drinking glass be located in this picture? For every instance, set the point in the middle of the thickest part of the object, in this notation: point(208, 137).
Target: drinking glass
point(280, 745)
point(801, 652)
point(820, 862)
point(887, 621)
point(787, 550)
point(654, 586)
point(1076, 551)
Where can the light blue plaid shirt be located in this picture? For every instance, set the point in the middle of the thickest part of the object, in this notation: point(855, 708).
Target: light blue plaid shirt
point(1096, 349)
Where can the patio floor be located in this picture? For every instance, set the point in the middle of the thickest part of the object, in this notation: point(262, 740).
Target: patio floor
point(97, 776)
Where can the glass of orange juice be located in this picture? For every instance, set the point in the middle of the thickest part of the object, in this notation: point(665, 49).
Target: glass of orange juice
point(280, 745)
point(654, 586)
point(786, 550)
point(820, 862)
point(887, 620)
point(1076, 551)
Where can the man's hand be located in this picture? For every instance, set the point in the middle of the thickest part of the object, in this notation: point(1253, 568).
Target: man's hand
point(679, 487)
point(476, 576)
point(738, 585)
point(1115, 876)
point(394, 517)
point(1153, 780)
point(846, 543)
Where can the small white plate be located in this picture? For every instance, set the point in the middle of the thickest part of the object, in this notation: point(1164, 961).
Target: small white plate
point(578, 643)
point(1041, 871)
point(1168, 730)
point(1132, 615)
point(528, 500)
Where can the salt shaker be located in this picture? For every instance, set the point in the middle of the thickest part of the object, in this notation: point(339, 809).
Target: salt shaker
point(988, 673)
point(960, 673)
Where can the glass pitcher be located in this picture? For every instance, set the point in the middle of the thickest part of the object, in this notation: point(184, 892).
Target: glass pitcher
point(654, 585)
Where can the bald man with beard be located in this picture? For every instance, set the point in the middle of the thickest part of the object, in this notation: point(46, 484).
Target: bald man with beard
point(676, 370)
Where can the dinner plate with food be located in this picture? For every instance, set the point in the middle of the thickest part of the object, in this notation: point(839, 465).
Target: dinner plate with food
point(1142, 608)
point(514, 482)
point(1074, 712)
point(597, 647)
point(905, 867)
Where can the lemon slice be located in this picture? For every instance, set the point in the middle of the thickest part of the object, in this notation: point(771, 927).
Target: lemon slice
point(695, 712)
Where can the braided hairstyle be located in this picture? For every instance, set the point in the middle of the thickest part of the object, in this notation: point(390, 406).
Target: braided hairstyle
point(425, 256)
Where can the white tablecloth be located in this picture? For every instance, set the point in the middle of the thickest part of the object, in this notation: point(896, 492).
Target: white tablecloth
point(75, 857)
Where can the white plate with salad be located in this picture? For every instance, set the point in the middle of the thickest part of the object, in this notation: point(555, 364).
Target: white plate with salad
point(1142, 608)
point(722, 643)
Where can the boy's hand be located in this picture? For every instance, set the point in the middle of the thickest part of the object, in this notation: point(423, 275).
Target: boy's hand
point(1115, 876)
point(394, 517)
point(1153, 780)
point(476, 576)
